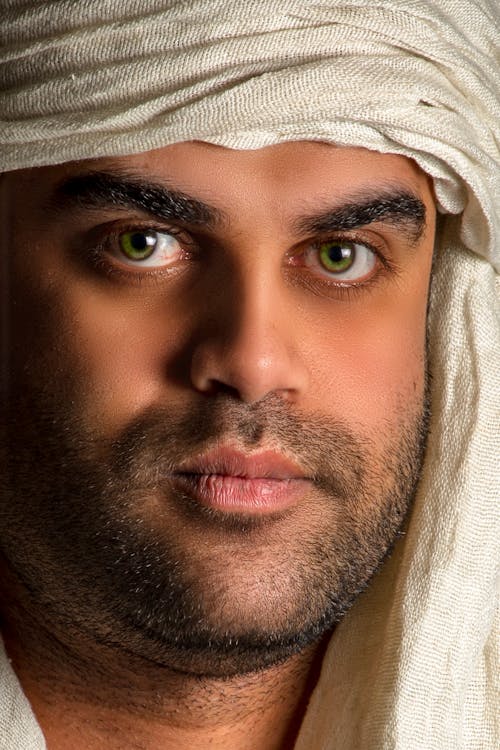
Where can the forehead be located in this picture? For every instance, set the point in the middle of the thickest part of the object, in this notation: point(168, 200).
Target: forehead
point(275, 163)
point(282, 177)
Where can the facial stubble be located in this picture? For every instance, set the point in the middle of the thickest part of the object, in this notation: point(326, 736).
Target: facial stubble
point(112, 555)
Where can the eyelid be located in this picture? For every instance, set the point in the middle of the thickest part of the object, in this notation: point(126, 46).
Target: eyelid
point(338, 288)
point(184, 239)
point(112, 230)
point(377, 247)
point(102, 240)
point(362, 262)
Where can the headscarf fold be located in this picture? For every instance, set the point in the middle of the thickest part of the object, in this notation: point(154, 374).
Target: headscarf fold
point(412, 665)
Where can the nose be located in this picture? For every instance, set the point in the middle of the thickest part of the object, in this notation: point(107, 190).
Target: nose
point(247, 343)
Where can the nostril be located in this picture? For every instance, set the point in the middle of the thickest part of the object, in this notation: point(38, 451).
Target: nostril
point(215, 387)
point(244, 372)
point(248, 354)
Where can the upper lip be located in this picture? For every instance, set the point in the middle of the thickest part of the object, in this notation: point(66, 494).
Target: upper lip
point(227, 461)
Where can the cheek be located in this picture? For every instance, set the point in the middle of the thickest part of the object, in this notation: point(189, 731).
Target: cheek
point(373, 365)
point(86, 347)
point(119, 351)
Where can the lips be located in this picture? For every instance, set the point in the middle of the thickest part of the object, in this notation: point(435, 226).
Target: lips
point(229, 480)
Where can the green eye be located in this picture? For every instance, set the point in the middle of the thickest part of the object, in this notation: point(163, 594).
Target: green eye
point(341, 261)
point(336, 257)
point(138, 245)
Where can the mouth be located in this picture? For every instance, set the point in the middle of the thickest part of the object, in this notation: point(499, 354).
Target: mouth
point(229, 480)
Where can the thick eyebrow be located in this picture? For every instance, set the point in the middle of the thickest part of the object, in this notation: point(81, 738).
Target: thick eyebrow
point(105, 190)
point(399, 208)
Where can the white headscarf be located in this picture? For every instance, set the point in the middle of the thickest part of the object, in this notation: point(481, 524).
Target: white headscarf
point(413, 665)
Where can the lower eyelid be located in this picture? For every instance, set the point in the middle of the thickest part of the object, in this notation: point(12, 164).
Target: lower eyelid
point(110, 245)
point(338, 291)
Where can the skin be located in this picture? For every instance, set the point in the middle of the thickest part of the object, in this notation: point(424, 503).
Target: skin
point(252, 332)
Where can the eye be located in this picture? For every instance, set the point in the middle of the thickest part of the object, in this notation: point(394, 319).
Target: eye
point(342, 260)
point(147, 248)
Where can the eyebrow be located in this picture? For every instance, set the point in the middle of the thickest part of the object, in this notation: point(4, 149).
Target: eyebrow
point(101, 190)
point(105, 190)
point(395, 206)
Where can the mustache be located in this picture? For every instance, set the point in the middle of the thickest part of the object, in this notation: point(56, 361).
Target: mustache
point(154, 444)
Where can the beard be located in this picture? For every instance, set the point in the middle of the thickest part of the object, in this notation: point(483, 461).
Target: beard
point(112, 554)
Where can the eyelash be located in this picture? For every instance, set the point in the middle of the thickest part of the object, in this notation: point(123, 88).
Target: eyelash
point(346, 290)
point(320, 285)
point(97, 254)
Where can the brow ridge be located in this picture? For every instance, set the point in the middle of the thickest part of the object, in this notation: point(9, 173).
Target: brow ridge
point(103, 189)
point(99, 190)
point(397, 207)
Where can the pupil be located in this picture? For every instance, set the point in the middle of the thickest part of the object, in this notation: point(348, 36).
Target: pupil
point(337, 253)
point(139, 241)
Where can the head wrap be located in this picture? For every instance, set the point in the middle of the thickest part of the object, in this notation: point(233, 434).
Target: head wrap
point(412, 665)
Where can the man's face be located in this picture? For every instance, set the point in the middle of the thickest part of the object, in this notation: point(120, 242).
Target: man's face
point(214, 392)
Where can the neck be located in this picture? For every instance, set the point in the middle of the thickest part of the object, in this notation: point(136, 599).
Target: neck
point(93, 697)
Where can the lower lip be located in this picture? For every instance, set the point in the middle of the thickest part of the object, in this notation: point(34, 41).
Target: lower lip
point(258, 495)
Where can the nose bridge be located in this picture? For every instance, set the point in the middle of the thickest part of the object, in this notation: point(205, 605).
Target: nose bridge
point(248, 343)
point(257, 306)
point(261, 343)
